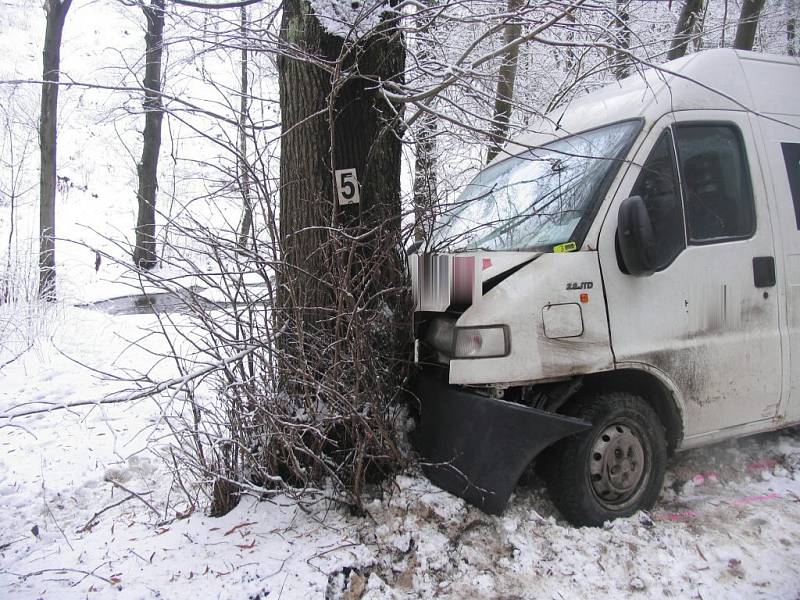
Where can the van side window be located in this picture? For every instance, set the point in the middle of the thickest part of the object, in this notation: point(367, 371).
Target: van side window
point(791, 156)
point(658, 186)
point(718, 197)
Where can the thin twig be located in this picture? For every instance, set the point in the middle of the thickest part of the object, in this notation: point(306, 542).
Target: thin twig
point(135, 494)
point(87, 527)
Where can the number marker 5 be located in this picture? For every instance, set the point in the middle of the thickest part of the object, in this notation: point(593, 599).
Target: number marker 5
point(347, 186)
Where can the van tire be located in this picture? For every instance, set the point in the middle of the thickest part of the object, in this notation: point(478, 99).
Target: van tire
point(613, 469)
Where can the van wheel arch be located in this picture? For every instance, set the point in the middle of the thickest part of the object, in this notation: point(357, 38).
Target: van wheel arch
point(647, 386)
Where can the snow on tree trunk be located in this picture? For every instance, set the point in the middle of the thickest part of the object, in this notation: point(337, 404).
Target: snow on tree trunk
point(506, 77)
point(56, 14)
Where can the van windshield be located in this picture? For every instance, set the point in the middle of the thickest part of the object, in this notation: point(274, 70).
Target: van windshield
point(540, 198)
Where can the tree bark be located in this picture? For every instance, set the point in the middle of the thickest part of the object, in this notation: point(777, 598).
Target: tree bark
point(340, 295)
point(684, 29)
point(748, 22)
point(506, 78)
point(144, 253)
point(622, 63)
point(244, 167)
point(56, 14)
point(425, 181)
point(325, 129)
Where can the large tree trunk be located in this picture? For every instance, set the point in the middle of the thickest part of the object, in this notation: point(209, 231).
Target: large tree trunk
point(340, 275)
point(685, 27)
point(506, 78)
point(56, 13)
point(325, 130)
point(144, 254)
point(748, 22)
point(244, 167)
point(791, 28)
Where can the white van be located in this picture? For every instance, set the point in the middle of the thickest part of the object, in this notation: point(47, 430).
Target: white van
point(619, 286)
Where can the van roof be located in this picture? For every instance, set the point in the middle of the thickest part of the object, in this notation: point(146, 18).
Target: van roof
point(721, 79)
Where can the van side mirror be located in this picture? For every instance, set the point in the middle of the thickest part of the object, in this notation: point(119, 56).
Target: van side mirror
point(635, 238)
point(414, 247)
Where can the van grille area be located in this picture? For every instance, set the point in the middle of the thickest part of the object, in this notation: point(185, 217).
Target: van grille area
point(439, 281)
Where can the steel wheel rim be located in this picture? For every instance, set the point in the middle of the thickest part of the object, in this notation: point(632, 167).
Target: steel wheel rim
point(617, 465)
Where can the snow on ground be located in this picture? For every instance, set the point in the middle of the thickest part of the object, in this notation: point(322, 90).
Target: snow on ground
point(88, 508)
point(727, 524)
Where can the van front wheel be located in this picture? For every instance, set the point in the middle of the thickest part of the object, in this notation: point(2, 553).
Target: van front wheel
point(613, 469)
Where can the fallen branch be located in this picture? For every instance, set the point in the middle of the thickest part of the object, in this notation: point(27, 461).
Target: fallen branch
point(176, 384)
point(88, 525)
point(60, 570)
point(135, 495)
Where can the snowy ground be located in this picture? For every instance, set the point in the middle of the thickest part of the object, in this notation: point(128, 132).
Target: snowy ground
point(88, 509)
point(727, 524)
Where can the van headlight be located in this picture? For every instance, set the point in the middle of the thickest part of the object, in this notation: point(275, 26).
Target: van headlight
point(440, 334)
point(481, 342)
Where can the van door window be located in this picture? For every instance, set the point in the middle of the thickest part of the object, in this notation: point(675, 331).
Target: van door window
point(717, 194)
point(658, 186)
point(791, 156)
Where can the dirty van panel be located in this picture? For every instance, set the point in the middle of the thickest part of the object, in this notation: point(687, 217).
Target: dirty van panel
point(701, 321)
point(781, 148)
point(562, 291)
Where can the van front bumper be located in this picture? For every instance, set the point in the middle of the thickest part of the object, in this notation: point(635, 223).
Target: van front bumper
point(477, 447)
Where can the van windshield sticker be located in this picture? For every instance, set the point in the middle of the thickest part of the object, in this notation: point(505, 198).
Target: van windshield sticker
point(568, 247)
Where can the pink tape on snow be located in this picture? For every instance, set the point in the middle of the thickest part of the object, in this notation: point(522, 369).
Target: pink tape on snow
point(755, 499)
point(765, 464)
point(676, 517)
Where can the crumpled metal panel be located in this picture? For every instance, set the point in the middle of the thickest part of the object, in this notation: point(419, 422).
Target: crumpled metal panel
point(477, 447)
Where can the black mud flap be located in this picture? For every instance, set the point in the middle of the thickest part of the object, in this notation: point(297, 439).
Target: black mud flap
point(477, 447)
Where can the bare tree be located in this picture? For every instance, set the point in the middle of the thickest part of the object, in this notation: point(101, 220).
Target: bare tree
point(244, 167)
point(506, 77)
point(687, 23)
point(748, 22)
point(144, 253)
point(621, 61)
point(425, 178)
point(56, 14)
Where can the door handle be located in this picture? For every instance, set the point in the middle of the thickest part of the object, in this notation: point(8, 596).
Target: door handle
point(764, 271)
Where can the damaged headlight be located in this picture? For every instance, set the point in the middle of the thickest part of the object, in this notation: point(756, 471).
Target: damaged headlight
point(440, 335)
point(481, 342)
point(467, 342)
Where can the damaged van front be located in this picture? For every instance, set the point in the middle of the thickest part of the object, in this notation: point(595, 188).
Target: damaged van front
point(510, 311)
point(621, 285)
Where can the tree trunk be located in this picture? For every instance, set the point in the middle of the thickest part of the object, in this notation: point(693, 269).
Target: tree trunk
point(325, 129)
point(748, 22)
point(56, 14)
point(791, 29)
point(144, 254)
point(685, 28)
point(244, 167)
point(425, 182)
point(506, 77)
point(621, 60)
point(340, 278)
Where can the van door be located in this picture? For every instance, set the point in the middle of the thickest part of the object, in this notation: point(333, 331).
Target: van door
point(707, 319)
point(781, 151)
